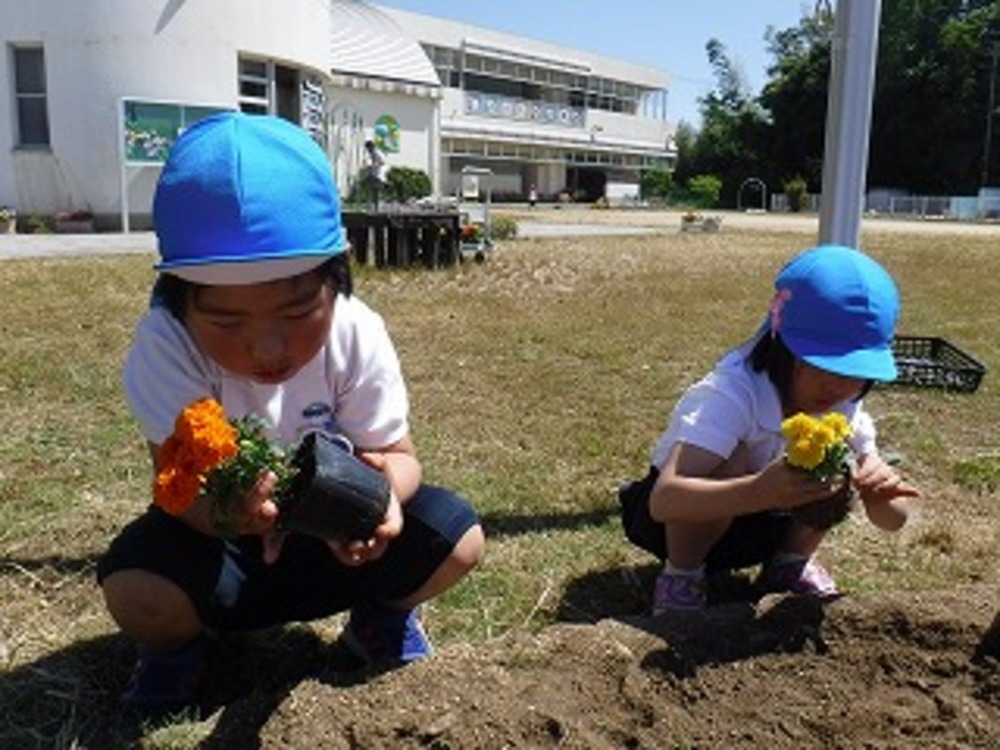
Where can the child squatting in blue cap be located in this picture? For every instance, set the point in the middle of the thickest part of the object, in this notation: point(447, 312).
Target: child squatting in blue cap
point(253, 307)
point(719, 494)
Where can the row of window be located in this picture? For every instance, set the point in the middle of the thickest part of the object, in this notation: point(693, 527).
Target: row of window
point(456, 69)
point(527, 152)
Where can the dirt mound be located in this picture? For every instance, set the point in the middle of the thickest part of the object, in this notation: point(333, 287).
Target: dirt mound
point(880, 671)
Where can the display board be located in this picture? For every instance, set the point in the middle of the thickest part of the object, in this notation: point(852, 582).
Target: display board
point(150, 128)
point(146, 131)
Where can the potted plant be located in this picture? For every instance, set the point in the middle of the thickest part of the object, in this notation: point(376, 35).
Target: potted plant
point(75, 222)
point(8, 220)
point(471, 233)
point(323, 489)
point(818, 446)
point(691, 220)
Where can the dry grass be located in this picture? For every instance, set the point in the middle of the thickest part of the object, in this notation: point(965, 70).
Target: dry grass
point(539, 381)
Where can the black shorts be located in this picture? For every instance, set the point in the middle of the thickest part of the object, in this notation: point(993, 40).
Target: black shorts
point(749, 540)
point(232, 588)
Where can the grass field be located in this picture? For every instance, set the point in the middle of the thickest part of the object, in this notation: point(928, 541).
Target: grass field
point(539, 381)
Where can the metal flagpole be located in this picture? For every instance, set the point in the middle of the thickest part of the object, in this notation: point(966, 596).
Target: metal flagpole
point(854, 50)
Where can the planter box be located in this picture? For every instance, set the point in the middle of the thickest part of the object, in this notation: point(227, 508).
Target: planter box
point(701, 224)
point(74, 226)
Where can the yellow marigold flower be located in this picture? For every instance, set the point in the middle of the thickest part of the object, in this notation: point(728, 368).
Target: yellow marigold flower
point(817, 445)
point(805, 453)
point(798, 426)
point(838, 423)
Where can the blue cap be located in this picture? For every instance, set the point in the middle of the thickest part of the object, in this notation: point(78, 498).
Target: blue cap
point(836, 309)
point(244, 199)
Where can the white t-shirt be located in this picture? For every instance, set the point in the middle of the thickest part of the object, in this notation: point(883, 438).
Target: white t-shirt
point(353, 386)
point(733, 405)
point(378, 166)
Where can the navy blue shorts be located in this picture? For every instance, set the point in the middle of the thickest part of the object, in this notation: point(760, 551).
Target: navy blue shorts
point(233, 589)
point(749, 540)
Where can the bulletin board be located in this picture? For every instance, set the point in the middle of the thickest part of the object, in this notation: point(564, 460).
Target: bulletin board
point(150, 128)
point(147, 130)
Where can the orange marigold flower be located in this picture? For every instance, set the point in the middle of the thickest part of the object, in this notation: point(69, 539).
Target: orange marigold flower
point(203, 438)
point(175, 490)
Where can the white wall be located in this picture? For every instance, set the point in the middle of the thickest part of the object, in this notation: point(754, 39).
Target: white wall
point(415, 116)
point(98, 51)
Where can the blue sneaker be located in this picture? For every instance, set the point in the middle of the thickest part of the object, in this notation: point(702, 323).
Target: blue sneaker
point(167, 682)
point(376, 633)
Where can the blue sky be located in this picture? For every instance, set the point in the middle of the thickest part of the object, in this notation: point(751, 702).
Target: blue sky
point(669, 35)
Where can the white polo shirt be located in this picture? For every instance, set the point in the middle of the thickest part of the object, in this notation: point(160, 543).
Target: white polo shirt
point(733, 405)
point(354, 384)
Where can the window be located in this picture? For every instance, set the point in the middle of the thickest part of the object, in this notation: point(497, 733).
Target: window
point(256, 77)
point(30, 96)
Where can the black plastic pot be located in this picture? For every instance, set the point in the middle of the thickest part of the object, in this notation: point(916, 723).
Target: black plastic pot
point(334, 495)
point(827, 512)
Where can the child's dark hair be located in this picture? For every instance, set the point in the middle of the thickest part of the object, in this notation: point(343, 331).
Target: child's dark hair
point(771, 355)
point(173, 292)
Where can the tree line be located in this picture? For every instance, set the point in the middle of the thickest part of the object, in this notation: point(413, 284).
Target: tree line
point(934, 109)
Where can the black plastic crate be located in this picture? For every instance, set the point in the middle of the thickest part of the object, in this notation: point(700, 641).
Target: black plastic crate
point(932, 362)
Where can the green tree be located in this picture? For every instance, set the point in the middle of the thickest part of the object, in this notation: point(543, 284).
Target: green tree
point(655, 183)
point(686, 140)
point(796, 189)
point(928, 122)
point(733, 131)
point(796, 99)
point(705, 190)
point(929, 104)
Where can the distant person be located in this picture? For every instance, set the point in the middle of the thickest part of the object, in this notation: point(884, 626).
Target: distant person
point(532, 196)
point(253, 307)
point(375, 173)
point(719, 495)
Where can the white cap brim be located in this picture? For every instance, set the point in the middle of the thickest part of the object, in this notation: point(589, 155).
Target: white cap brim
point(235, 273)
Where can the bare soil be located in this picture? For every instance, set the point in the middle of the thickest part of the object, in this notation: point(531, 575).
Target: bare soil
point(885, 671)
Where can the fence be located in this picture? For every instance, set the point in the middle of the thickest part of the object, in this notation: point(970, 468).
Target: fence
point(404, 238)
point(966, 208)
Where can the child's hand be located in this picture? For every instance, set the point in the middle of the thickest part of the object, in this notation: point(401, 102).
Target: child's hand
point(258, 513)
point(356, 553)
point(878, 484)
point(785, 486)
point(875, 480)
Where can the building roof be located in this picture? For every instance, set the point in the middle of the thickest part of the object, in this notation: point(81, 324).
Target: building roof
point(368, 43)
point(453, 34)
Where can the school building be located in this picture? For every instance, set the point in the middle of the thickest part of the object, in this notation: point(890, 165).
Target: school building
point(95, 93)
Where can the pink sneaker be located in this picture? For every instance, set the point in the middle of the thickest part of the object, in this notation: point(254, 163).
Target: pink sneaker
point(679, 592)
point(802, 576)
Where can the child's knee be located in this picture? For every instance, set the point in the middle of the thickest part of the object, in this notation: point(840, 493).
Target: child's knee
point(149, 607)
point(471, 547)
